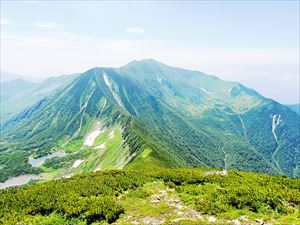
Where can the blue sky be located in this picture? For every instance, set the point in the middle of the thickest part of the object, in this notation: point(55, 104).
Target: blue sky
point(256, 43)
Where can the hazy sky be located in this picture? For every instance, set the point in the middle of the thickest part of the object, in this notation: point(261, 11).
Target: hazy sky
point(253, 42)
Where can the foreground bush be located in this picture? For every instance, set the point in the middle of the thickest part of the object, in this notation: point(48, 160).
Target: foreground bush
point(93, 197)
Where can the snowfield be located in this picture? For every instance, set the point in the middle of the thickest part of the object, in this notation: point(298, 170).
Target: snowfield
point(77, 163)
point(91, 137)
point(109, 85)
point(102, 146)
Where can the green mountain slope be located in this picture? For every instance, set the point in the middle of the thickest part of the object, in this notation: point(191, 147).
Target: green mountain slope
point(163, 116)
point(17, 95)
point(295, 107)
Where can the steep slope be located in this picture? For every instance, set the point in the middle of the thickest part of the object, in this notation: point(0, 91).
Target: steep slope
point(295, 107)
point(164, 116)
point(238, 119)
point(64, 120)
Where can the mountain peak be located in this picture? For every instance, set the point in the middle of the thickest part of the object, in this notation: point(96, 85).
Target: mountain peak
point(148, 61)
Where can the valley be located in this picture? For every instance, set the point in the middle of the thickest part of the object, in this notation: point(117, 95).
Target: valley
point(145, 115)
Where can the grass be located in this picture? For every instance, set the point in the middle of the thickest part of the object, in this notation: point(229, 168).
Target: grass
point(165, 196)
point(112, 156)
point(137, 204)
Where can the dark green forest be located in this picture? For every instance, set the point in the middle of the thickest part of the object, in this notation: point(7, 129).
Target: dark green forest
point(99, 196)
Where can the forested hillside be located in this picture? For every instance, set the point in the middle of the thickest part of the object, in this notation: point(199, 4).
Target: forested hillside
point(148, 114)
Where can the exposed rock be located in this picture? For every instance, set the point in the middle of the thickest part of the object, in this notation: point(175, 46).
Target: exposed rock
point(178, 219)
point(262, 222)
point(243, 217)
point(212, 219)
point(68, 175)
point(176, 200)
point(236, 222)
point(209, 173)
point(152, 220)
point(155, 201)
point(179, 213)
point(195, 215)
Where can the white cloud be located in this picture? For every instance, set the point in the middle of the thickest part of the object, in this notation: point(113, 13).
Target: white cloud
point(135, 30)
point(47, 25)
point(61, 52)
point(4, 21)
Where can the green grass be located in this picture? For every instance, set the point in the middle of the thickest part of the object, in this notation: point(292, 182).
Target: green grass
point(114, 155)
point(115, 152)
point(73, 146)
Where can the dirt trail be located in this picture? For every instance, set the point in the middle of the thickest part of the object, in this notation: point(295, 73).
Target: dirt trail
point(159, 204)
point(172, 210)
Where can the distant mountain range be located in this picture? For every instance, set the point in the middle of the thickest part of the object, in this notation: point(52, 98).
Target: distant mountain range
point(8, 76)
point(18, 94)
point(143, 115)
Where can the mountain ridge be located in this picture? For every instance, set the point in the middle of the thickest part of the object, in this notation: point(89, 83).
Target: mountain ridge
point(165, 117)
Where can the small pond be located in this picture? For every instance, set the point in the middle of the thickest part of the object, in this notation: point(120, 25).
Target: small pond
point(39, 161)
point(17, 181)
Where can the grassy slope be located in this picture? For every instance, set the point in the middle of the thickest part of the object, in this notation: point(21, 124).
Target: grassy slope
point(113, 154)
point(167, 196)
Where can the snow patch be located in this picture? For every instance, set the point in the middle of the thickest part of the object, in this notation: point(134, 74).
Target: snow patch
point(68, 175)
point(91, 137)
point(206, 91)
point(276, 119)
point(225, 160)
point(111, 134)
point(243, 126)
point(104, 105)
point(77, 163)
point(82, 109)
point(109, 85)
point(106, 80)
point(158, 78)
point(102, 146)
point(97, 169)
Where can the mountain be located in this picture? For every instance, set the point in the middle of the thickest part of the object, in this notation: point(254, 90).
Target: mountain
point(295, 107)
point(146, 115)
point(7, 76)
point(17, 95)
